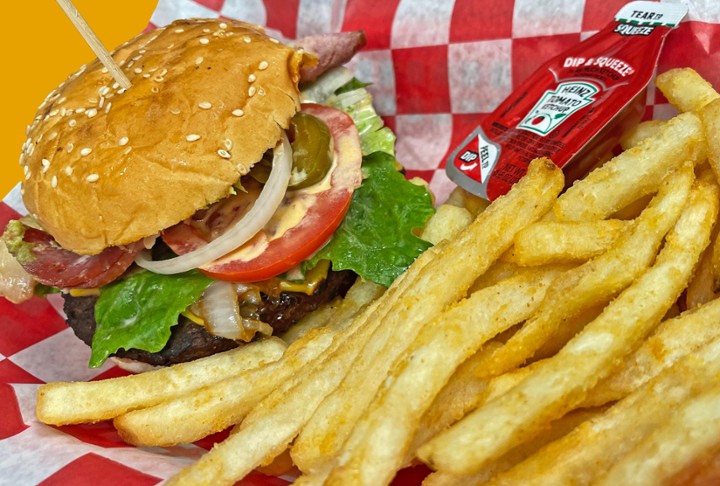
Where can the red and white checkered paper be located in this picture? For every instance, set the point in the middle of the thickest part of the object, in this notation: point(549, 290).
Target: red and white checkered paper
point(438, 67)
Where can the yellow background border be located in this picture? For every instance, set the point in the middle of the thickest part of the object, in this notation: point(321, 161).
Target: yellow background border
point(40, 49)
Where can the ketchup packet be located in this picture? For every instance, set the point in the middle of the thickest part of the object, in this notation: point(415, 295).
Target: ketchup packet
point(571, 109)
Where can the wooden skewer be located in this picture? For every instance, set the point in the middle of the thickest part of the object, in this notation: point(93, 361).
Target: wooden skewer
point(98, 48)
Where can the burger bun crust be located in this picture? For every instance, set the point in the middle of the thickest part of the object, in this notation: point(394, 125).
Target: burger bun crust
point(106, 166)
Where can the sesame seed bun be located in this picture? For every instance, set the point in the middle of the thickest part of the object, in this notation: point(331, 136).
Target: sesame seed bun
point(106, 166)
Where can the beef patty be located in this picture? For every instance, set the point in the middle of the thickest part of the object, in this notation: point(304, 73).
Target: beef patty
point(189, 341)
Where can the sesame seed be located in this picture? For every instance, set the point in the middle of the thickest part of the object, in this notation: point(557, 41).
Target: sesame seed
point(204, 41)
point(61, 100)
point(179, 31)
point(101, 102)
point(223, 153)
point(146, 75)
point(207, 31)
point(53, 182)
point(104, 90)
point(46, 165)
point(199, 60)
point(263, 65)
point(238, 112)
point(104, 70)
point(27, 176)
point(251, 91)
point(137, 70)
point(86, 151)
point(123, 141)
point(130, 64)
point(252, 78)
point(142, 51)
point(127, 150)
point(70, 147)
point(26, 169)
point(274, 41)
point(121, 91)
point(158, 79)
point(91, 112)
point(68, 170)
point(223, 25)
point(228, 144)
point(137, 58)
point(31, 149)
point(205, 105)
point(163, 72)
point(154, 89)
point(63, 112)
point(175, 111)
point(261, 92)
point(80, 110)
point(107, 107)
point(52, 136)
point(193, 137)
point(247, 39)
point(54, 112)
point(92, 178)
point(72, 122)
point(115, 85)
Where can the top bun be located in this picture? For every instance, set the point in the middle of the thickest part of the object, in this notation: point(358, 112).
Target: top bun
point(106, 166)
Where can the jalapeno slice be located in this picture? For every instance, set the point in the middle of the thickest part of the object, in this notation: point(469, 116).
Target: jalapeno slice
point(312, 153)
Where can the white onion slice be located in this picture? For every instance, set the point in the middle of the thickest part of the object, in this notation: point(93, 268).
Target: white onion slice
point(265, 206)
point(221, 312)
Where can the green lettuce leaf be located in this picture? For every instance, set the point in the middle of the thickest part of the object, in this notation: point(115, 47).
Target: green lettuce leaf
point(139, 311)
point(351, 85)
point(376, 237)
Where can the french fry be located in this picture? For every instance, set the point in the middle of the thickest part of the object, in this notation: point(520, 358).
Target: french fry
point(710, 116)
point(445, 281)
point(566, 332)
point(376, 448)
point(685, 89)
point(701, 288)
point(214, 408)
point(642, 131)
point(553, 431)
point(690, 431)
point(81, 402)
point(704, 471)
point(447, 222)
point(586, 453)
point(337, 314)
point(461, 198)
point(597, 281)
point(672, 340)
point(462, 393)
point(635, 172)
point(543, 243)
point(563, 381)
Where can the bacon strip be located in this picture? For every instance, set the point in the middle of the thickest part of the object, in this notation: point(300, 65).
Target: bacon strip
point(332, 50)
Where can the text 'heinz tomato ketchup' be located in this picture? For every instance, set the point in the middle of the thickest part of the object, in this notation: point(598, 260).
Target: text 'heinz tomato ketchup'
point(568, 108)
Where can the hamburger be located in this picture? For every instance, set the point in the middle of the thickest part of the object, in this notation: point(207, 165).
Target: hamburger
point(239, 184)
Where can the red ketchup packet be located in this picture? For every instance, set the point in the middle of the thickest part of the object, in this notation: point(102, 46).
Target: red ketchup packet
point(573, 108)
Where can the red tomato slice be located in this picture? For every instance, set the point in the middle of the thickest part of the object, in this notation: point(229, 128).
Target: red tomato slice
point(304, 222)
point(53, 265)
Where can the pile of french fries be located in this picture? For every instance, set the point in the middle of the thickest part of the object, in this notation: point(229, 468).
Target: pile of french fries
point(546, 338)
